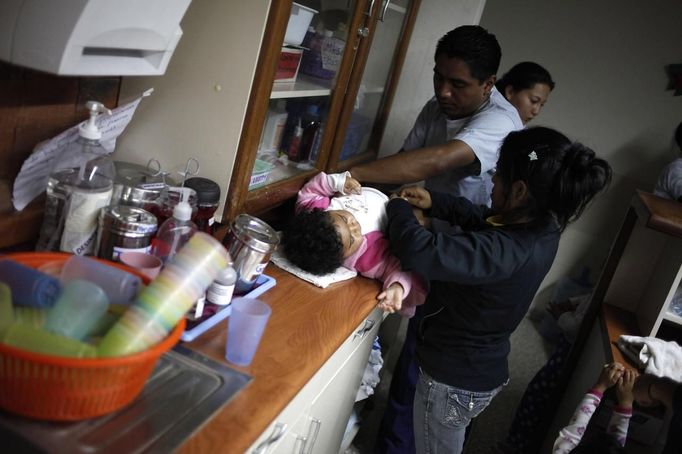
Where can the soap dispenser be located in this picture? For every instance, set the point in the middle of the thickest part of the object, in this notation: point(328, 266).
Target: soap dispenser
point(175, 231)
point(79, 186)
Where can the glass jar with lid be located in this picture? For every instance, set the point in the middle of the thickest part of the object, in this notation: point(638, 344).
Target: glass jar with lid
point(208, 198)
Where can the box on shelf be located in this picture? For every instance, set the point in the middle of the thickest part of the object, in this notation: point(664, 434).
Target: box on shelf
point(259, 176)
point(287, 66)
point(299, 21)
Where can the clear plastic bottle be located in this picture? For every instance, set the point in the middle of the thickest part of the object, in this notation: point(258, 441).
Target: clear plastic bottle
point(294, 150)
point(80, 185)
point(311, 125)
point(221, 289)
point(174, 232)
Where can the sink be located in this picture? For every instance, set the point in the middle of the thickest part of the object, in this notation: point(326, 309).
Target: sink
point(184, 390)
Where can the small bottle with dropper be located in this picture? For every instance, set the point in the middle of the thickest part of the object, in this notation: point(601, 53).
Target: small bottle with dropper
point(175, 231)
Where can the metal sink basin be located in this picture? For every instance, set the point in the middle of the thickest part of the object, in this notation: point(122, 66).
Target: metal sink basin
point(184, 390)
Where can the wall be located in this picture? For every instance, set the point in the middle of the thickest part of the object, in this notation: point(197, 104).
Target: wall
point(198, 106)
point(415, 87)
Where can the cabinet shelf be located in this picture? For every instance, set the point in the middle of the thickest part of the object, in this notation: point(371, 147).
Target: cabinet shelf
point(304, 87)
point(672, 317)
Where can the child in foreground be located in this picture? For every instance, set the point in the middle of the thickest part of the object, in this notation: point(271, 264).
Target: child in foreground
point(613, 440)
point(337, 223)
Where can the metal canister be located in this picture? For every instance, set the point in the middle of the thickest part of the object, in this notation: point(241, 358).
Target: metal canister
point(124, 228)
point(136, 186)
point(250, 243)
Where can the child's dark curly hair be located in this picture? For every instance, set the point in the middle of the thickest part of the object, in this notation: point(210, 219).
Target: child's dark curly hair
point(312, 243)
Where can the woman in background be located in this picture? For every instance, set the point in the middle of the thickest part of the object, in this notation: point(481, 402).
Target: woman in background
point(526, 86)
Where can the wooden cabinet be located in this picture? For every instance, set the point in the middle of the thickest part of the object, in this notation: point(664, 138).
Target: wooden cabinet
point(315, 420)
point(352, 99)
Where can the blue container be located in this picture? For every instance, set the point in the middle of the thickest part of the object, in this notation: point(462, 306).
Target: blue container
point(29, 286)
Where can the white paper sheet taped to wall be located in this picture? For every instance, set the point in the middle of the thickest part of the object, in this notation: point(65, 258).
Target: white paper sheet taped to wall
point(32, 178)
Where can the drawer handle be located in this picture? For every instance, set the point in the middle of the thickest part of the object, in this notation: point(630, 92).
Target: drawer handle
point(383, 11)
point(276, 434)
point(313, 431)
point(366, 327)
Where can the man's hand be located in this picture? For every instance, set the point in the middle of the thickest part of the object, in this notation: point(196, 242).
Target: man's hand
point(351, 186)
point(391, 299)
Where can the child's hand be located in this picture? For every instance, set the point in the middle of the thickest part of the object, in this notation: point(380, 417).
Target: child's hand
point(391, 299)
point(609, 376)
point(417, 196)
point(624, 388)
point(352, 186)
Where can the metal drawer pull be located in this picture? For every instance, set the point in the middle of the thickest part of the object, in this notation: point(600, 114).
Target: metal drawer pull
point(313, 431)
point(368, 325)
point(277, 432)
point(383, 12)
point(371, 7)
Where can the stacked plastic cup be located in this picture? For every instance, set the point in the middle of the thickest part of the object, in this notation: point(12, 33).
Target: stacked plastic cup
point(120, 286)
point(165, 301)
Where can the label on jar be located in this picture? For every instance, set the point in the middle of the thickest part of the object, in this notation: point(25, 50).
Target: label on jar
point(220, 294)
point(116, 253)
point(80, 220)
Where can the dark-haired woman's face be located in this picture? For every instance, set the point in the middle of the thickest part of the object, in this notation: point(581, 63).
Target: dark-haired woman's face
point(459, 94)
point(529, 101)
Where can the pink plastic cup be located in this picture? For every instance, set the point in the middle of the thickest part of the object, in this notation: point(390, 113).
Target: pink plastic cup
point(147, 264)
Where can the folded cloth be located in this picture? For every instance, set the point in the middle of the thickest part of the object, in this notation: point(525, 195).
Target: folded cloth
point(657, 357)
point(341, 273)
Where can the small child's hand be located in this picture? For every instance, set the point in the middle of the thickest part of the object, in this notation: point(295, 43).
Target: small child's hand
point(417, 196)
point(391, 299)
point(624, 388)
point(352, 186)
point(609, 376)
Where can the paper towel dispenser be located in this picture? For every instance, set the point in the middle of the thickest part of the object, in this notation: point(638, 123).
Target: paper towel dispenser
point(91, 37)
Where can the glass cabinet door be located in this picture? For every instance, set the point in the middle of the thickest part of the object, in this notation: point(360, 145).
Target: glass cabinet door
point(305, 80)
point(369, 110)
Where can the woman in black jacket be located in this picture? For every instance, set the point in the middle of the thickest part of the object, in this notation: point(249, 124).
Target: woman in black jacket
point(483, 279)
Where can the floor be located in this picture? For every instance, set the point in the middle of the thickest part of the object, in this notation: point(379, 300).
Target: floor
point(529, 352)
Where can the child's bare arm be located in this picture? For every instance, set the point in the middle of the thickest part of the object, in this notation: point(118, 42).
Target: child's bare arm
point(391, 299)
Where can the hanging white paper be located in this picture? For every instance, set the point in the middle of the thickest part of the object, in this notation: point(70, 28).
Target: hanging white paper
point(32, 178)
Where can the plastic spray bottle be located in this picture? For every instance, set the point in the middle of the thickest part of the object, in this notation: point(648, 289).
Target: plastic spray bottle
point(175, 231)
point(79, 186)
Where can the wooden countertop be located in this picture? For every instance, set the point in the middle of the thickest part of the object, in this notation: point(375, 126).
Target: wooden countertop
point(616, 322)
point(306, 326)
point(658, 213)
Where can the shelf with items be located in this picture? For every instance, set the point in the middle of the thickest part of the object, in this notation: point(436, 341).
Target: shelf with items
point(304, 86)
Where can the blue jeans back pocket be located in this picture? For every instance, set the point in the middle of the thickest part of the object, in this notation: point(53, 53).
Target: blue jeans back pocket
point(462, 406)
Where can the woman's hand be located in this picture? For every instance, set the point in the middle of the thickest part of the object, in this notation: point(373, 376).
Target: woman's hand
point(609, 376)
point(391, 299)
point(416, 196)
point(352, 186)
point(624, 388)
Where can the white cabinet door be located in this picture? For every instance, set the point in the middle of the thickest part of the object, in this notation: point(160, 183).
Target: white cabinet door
point(332, 407)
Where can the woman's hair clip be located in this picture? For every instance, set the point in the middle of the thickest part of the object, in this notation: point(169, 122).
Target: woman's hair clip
point(533, 156)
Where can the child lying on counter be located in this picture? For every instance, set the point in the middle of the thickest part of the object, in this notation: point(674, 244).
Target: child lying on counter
point(339, 223)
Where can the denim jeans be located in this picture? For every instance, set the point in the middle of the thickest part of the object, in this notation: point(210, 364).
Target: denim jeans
point(442, 413)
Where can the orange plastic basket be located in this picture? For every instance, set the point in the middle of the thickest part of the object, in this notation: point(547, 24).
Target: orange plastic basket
point(68, 389)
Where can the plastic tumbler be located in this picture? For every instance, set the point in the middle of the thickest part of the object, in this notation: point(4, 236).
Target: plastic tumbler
point(6, 310)
point(77, 310)
point(36, 340)
point(245, 329)
point(29, 287)
point(120, 286)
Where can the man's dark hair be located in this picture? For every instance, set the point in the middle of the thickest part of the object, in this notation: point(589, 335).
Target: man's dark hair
point(475, 46)
point(311, 242)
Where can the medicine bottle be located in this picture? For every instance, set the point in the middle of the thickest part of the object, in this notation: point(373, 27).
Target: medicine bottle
point(221, 290)
point(208, 197)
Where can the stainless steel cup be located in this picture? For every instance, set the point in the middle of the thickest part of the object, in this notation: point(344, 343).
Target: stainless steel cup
point(250, 243)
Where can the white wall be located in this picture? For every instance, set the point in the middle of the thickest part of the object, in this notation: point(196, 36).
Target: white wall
point(608, 60)
point(435, 18)
point(198, 106)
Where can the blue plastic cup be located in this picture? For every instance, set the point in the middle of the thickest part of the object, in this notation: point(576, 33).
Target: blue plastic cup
point(77, 310)
point(245, 328)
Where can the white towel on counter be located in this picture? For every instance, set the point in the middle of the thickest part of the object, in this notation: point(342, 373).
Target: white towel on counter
point(341, 273)
point(657, 357)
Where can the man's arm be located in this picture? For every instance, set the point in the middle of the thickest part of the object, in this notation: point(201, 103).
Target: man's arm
point(415, 165)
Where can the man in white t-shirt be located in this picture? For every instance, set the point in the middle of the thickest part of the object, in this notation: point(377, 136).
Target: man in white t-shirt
point(453, 146)
point(454, 142)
